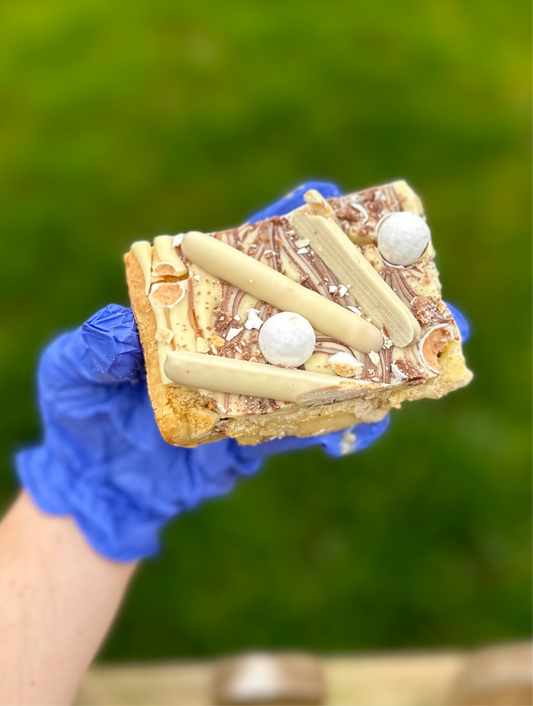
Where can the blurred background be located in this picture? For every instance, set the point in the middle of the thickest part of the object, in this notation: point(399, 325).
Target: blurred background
point(122, 121)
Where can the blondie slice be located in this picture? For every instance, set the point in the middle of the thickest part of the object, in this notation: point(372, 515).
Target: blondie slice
point(296, 325)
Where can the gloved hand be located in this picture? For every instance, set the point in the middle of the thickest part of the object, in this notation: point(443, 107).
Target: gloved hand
point(103, 460)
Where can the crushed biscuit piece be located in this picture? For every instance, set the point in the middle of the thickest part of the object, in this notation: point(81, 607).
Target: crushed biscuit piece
point(374, 357)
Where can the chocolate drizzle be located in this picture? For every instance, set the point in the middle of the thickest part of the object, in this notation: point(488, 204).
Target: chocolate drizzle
point(430, 310)
point(359, 213)
point(336, 346)
point(411, 373)
point(395, 278)
point(385, 355)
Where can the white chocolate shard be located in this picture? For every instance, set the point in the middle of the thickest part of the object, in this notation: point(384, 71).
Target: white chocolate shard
point(263, 282)
point(166, 252)
point(242, 377)
point(302, 243)
point(374, 357)
point(345, 364)
point(401, 377)
point(232, 333)
point(143, 254)
point(342, 256)
point(254, 321)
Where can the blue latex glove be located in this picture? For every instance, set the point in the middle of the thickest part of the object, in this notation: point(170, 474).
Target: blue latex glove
point(103, 459)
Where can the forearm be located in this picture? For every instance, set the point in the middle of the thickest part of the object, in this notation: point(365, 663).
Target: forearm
point(58, 598)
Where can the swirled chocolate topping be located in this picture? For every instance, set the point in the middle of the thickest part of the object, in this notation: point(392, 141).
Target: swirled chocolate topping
point(215, 317)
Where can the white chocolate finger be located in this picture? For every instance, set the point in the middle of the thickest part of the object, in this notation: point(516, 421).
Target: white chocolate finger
point(342, 256)
point(241, 377)
point(263, 282)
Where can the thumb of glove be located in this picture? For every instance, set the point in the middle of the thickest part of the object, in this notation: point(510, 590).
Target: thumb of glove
point(112, 351)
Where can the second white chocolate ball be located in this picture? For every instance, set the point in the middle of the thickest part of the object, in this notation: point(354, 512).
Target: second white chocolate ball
point(287, 339)
point(403, 237)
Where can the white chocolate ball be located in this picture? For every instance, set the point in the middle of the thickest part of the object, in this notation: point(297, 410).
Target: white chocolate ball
point(403, 237)
point(287, 339)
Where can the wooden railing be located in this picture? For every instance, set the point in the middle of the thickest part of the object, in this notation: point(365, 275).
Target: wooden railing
point(385, 680)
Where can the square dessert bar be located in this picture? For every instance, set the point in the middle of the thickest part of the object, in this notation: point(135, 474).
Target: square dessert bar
point(295, 325)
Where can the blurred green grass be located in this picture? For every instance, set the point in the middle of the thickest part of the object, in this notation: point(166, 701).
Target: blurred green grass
point(122, 121)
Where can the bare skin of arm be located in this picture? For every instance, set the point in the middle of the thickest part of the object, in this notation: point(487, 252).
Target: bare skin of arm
point(58, 598)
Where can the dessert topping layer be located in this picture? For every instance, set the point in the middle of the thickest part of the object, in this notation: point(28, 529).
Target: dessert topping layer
point(206, 306)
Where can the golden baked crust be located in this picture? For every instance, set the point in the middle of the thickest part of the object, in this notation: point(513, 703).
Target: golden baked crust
point(184, 416)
